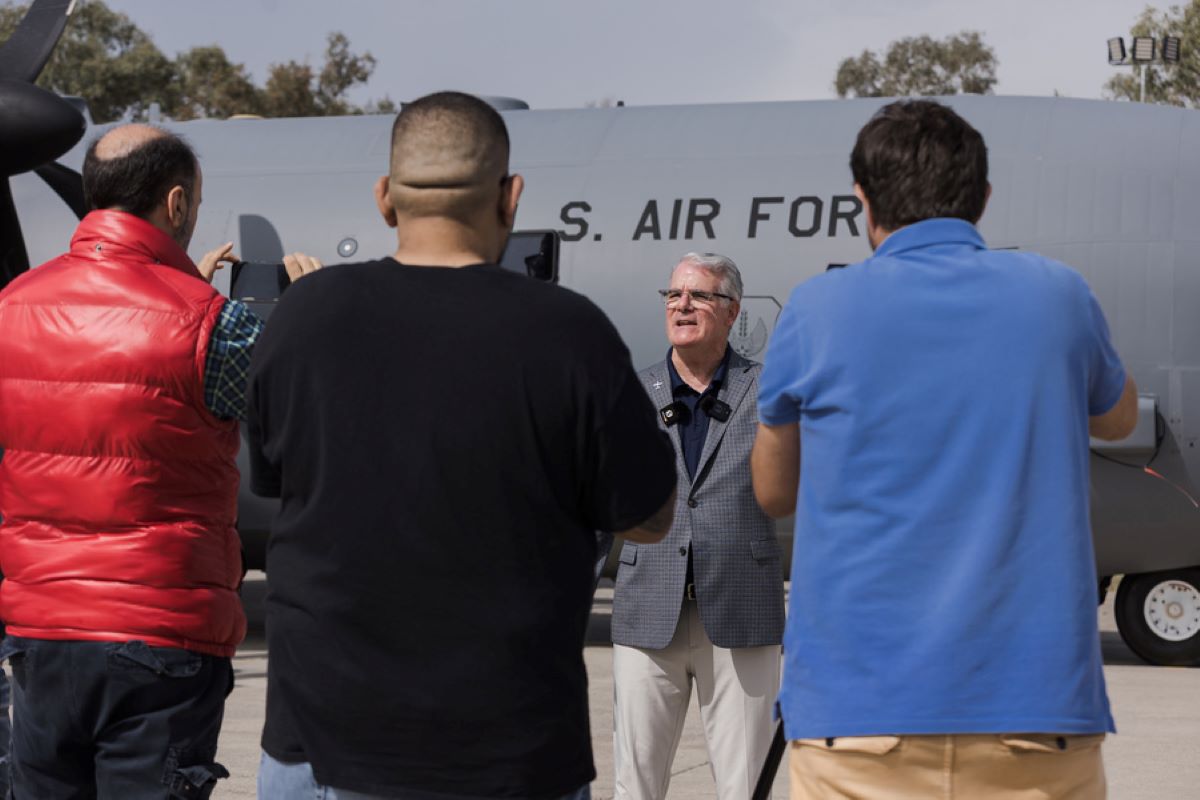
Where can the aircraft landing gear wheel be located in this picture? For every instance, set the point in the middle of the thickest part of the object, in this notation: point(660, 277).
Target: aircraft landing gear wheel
point(1158, 615)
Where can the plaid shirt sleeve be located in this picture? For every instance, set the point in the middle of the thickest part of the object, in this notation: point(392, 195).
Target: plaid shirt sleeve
point(228, 360)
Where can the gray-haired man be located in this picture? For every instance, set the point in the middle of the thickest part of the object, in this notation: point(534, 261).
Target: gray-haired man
point(704, 605)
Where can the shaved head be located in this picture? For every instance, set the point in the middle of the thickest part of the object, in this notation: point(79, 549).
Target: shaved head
point(449, 156)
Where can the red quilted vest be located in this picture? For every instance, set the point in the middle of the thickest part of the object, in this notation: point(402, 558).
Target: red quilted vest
point(118, 488)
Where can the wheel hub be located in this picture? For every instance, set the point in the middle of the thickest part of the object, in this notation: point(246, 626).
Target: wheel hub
point(1172, 610)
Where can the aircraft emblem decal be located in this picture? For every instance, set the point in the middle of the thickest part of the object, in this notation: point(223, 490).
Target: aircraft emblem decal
point(754, 325)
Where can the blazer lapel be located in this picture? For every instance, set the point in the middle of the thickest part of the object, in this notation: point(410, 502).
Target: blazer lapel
point(733, 391)
point(658, 386)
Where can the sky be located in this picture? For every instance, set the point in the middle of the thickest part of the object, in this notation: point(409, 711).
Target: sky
point(567, 53)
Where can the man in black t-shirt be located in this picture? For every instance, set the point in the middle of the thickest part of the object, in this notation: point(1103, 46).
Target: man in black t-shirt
point(445, 437)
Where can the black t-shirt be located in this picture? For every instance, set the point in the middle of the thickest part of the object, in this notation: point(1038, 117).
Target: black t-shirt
point(445, 443)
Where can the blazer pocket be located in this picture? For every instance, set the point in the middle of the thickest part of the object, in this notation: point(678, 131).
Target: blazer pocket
point(629, 553)
point(764, 549)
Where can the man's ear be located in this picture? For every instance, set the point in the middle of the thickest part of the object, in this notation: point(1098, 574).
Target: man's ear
point(986, 197)
point(383, 199)
point(875, 234)
point(510, 196)
point(866, 204)
point(735, 308)
point(177, 207)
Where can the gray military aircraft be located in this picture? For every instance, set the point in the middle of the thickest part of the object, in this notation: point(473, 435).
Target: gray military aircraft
point(1110, 188)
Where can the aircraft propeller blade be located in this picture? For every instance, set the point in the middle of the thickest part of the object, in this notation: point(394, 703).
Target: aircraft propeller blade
point(13, 259)
point(28, 49)
point(36, 126)
point(67, 184)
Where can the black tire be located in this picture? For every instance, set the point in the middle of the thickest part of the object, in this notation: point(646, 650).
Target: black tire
point(1166, 631)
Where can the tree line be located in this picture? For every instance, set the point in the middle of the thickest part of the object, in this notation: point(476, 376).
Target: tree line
point(964, 63)
point(106, 59)
point(109, 61)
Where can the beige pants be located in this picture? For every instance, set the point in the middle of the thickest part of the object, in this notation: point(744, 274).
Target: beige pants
point(736, 691)
point(974, 767)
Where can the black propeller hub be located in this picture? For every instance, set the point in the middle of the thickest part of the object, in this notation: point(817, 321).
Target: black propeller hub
point(36, 126)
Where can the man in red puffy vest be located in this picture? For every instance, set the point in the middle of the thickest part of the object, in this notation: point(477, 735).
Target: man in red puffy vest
point(122, 379)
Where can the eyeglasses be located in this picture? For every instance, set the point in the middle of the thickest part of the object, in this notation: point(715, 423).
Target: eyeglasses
point(672, 297)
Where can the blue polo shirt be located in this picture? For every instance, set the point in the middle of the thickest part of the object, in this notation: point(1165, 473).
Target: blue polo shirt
point(943, 579)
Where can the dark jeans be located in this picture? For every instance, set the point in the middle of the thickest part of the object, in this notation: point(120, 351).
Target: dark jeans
point(115, 720)
point(5, 733)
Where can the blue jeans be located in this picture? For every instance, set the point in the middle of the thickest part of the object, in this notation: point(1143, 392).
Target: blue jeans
point(280, 781)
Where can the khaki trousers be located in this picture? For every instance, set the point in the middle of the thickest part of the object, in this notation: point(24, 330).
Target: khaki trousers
point(965, 767)
point(736, 690)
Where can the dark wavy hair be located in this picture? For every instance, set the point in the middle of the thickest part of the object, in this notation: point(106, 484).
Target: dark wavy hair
point(139, 180)
point(917, 159)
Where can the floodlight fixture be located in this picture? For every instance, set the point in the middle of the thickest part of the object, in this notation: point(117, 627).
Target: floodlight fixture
point(1170, 49)
point(1116, 51)
point(1143, 51)
point(1144, 48)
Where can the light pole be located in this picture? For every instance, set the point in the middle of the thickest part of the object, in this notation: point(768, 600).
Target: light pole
point(1143, 52)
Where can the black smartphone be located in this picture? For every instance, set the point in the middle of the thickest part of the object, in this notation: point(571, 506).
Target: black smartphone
point(532, 253)
point(258, 285)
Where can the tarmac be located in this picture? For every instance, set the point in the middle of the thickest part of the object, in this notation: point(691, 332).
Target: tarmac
point(1155, 755)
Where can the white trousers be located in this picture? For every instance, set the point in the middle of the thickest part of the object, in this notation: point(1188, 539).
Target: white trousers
point(735, 689)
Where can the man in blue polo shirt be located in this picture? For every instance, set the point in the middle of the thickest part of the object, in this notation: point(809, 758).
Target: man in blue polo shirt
point(942, 637)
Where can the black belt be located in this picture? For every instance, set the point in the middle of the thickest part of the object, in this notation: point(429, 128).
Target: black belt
point(689, 591)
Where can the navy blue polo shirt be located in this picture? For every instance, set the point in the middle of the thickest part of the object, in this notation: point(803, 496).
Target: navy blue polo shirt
point(693, 429)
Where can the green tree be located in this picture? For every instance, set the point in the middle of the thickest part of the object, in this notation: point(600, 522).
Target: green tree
point(342, 71)
point(296, 90)
point(1174, 84)
point(209, 85)
point(920, 65)
point(289, 91)
point(386, 105)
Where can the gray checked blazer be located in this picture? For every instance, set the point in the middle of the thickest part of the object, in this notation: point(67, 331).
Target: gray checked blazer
point(735, 555)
